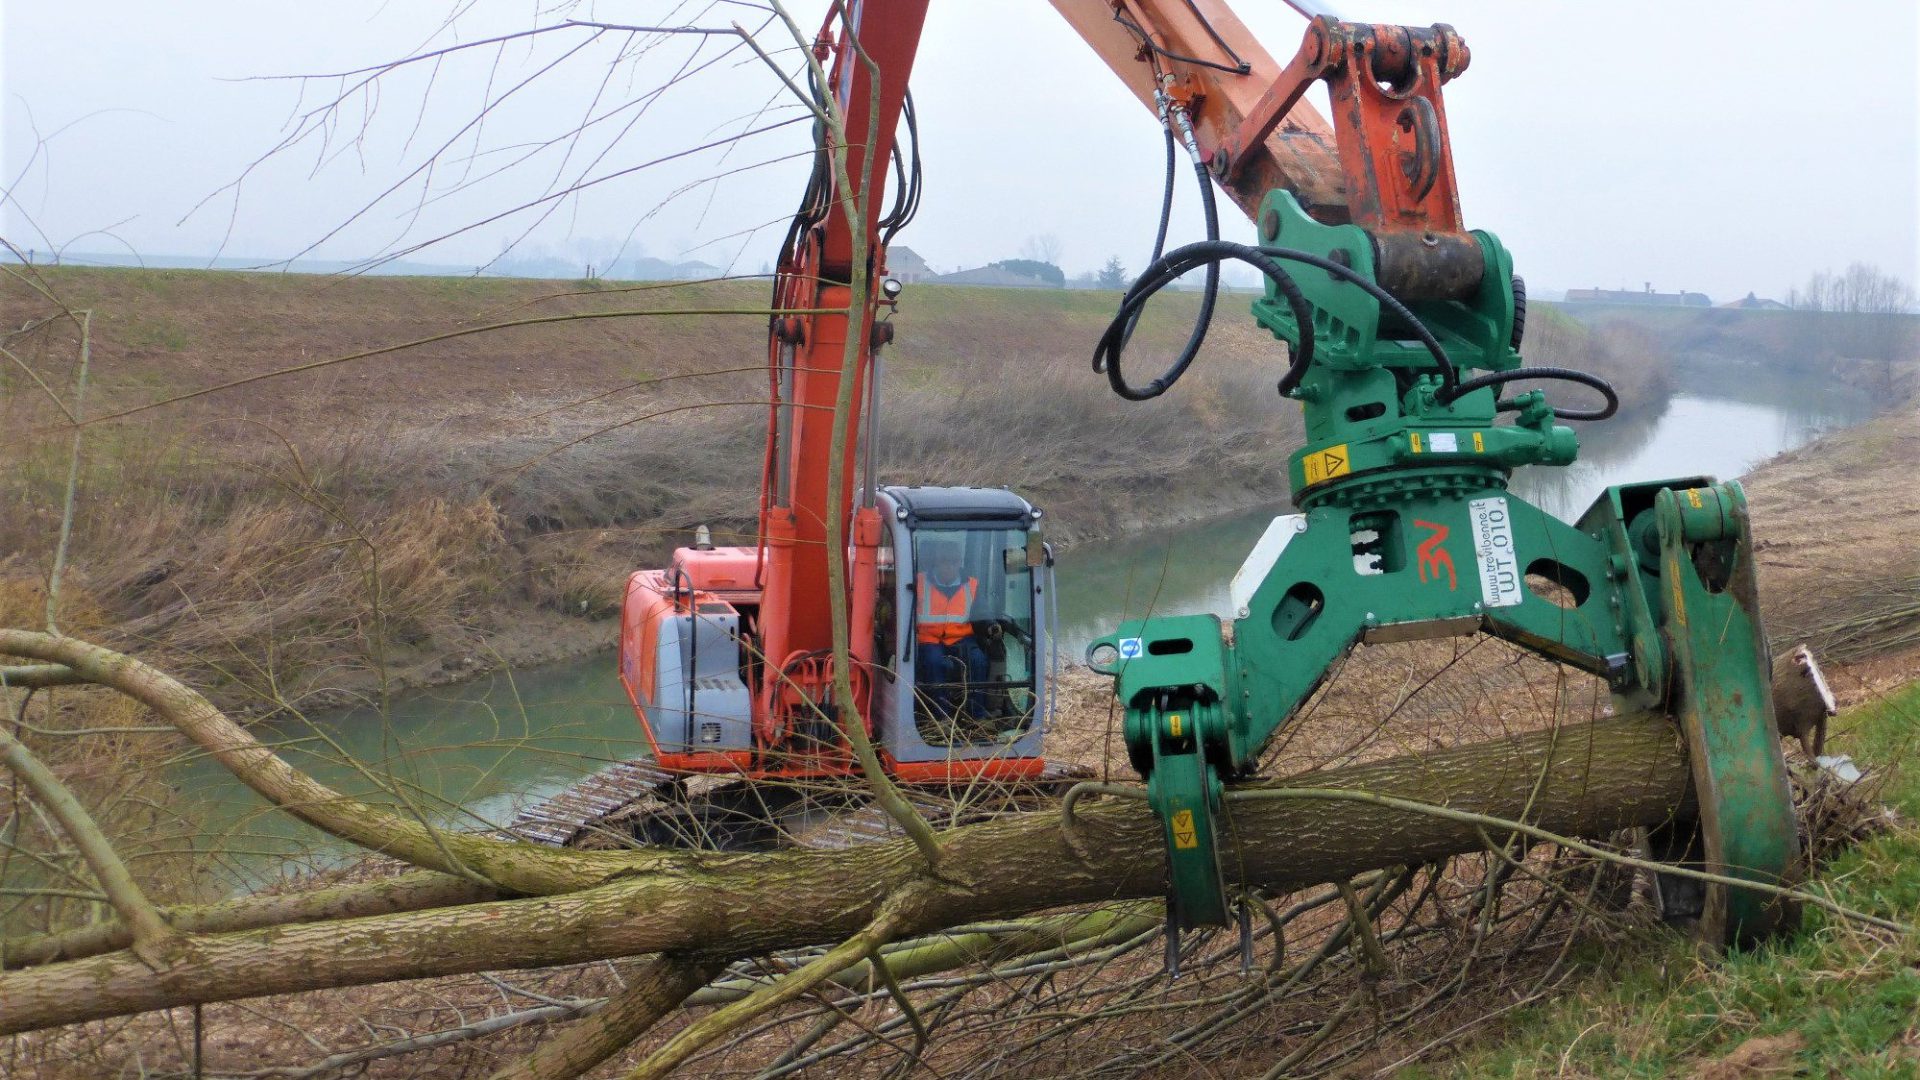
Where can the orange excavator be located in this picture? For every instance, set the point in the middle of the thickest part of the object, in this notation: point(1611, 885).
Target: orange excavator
point(726, 654)
point(1404, 334)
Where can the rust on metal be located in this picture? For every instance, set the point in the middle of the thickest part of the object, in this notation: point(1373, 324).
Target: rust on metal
point(1428, 266)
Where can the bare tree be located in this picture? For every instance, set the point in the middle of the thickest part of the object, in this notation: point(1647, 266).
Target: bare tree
point(1863, 313)
point(1043, 247)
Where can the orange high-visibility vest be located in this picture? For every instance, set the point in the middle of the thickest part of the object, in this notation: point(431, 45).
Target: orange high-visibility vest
point(944, 617)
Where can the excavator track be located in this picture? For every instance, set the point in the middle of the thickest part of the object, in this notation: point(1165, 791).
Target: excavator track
point(633, 803)
point(558, 819)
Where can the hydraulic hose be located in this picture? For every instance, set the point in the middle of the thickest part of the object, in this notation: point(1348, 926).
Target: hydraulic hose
point(1106, 354)
point(1159, 234)
point(1164, 269)
point(1211, 252)
point(1584, 378)
point(1168, 268)
point(1452, 389)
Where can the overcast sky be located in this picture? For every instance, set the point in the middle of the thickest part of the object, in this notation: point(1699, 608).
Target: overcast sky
point(1718, 146)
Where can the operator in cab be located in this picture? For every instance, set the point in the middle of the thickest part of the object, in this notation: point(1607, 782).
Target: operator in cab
point(950, 662)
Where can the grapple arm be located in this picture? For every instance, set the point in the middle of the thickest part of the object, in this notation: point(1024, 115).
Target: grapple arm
point(1411, 327)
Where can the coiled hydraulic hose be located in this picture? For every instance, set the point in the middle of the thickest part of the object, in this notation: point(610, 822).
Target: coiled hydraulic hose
point(1162, 272)
point(1114, 341)
point(1163, 269)
point(1211, 252)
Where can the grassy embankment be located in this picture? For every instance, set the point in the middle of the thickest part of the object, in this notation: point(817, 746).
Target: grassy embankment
point(1878, 353)
point(1834, 1001)
point(1835, 525)
point(412, 516)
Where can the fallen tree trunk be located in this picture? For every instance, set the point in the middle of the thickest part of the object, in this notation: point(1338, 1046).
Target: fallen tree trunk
point(1579, 780)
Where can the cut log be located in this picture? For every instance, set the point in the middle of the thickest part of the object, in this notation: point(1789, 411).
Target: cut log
point(1579, 780)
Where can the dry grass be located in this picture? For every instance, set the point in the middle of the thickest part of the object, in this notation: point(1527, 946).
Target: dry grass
point(1838, 555)
point(266, 567)
point(103, 747)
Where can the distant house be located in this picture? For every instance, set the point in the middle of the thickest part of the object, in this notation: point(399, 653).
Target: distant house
point(1755, 303)
point(993, 276)
point(694, 270)
point(906, 266)
point(1630, 296)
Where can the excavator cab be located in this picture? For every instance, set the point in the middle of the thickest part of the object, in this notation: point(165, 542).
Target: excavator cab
point(961, 626)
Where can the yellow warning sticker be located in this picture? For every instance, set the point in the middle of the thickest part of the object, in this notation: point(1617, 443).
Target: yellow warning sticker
point(1479, 443)
point(1327, 464)
point(1693, 496)
point(1175, 726)
point(1185, 836)
point(1414, 437)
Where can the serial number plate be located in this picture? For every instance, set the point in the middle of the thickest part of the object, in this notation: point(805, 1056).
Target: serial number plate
point(1498, 563)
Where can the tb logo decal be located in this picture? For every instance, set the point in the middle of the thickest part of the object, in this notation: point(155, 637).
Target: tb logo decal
point(1433, 555)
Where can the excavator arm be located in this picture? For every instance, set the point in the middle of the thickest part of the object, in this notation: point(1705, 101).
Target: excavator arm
point(1383, 163)
point(1223, 75)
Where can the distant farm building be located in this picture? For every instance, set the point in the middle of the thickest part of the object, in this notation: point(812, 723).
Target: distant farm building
point(1630, 296)
point(907, 267)
point(1755, 303)
point(994, 276)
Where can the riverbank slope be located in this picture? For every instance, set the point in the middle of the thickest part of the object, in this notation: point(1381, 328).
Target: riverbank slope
point(297, 488)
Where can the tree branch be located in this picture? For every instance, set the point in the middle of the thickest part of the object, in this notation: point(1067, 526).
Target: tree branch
point(150, 933)
point(407, 892)
point(39, 676)
point(894, 914)
point(654, 992)
point(515, 867)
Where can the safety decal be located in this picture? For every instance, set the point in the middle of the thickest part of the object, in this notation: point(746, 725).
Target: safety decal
point(1130, 648)
point(1327, 463)
point(1185, 836)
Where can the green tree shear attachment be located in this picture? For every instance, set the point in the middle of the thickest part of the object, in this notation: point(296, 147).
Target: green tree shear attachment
point(1407, 531)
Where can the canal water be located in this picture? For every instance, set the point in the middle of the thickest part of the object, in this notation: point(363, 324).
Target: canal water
point(471, 753)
